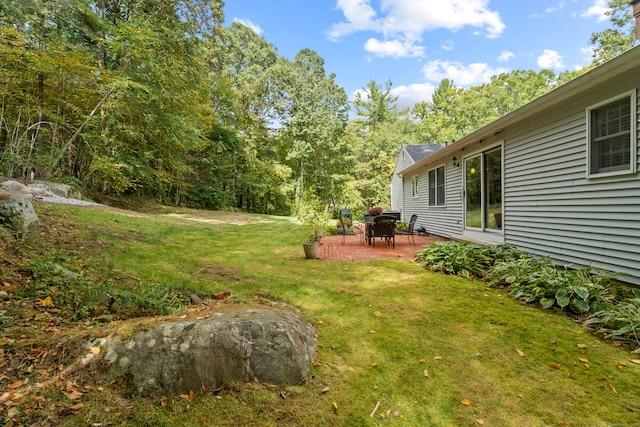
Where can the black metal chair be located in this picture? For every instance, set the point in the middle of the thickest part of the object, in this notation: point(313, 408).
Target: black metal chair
point(384, 226)
point(346, 222)
point(412, 224)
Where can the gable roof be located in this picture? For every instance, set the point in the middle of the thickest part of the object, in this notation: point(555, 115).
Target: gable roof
point(593, 78)
point(418, 152)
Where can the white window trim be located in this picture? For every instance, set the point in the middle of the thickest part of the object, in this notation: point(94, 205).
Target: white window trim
point(633, 139)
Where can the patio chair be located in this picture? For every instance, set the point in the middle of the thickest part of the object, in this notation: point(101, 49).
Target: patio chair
point(346, 222)
point(412, 224)
point(384, 226)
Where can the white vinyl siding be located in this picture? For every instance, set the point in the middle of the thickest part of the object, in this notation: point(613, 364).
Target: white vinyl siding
point(553, 206)
point(554, 209)
point(442, 220)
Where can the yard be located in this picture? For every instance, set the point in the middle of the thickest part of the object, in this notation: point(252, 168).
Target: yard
point(397, 345)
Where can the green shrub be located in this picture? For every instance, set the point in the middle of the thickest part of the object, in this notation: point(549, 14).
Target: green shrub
point(461, 258)
point(619, 322)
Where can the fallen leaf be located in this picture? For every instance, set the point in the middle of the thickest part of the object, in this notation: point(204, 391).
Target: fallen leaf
point(256, 380)
point(636, 361)
point(582, 346)
point(325, 390)
point(335, 407)
point(555, 366)
point(15, 385)
point(465, 402)
point(421, 360)
point(192, 395)
point(480, 422)
point(438, 357)
point(5, 396)
point(351, 369)
point(377, 313)
point(163, 403)
point(613, 387)
point(95, 350)
point(44, 302)
point(6, 284)
point(4, 293)
point(77, 406)
point(426, 373)
point(583, 359)
point(74, 395)
point(374, 364)
point(520, 353)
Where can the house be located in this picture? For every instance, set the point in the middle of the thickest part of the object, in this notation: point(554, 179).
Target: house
point(409, 155)
point(557, 177)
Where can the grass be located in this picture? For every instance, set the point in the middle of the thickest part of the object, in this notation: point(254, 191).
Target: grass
point(430, 349)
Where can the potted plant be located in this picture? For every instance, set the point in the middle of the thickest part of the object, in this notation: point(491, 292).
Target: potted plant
point(314, 223)
point(375, 211)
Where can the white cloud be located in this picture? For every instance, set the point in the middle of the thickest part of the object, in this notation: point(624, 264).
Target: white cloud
point(550, 59)
point(598, 10)
point(462, 75)
point(447, 45)
point(412, 94)
point(393, 48)
point(256, 28)
point(408, 20)
point(505, 56)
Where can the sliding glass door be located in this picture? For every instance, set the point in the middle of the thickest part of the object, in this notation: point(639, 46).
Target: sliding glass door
point(483, 191)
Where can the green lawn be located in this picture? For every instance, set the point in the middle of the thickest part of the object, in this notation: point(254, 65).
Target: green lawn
point(420, 348)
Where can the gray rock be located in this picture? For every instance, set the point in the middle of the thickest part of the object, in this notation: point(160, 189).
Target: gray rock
point(40, 190)
point(274, 346)
point(14, 187)
point(57, 189)
point(16, 209)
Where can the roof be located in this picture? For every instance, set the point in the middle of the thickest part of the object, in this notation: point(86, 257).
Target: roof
point(418, 152)
point(584, 83)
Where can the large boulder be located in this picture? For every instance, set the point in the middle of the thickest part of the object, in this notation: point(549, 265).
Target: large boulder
point(42, 189)
point(272, 346)
point(16, 210)
point(56, 189)
point(14, 187)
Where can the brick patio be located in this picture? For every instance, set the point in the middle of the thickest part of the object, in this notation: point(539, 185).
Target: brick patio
point(331, 248)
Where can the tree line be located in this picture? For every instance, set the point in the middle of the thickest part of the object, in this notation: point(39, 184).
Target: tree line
point(159, 99)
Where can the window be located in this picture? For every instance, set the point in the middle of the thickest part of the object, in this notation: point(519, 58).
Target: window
point(415, 186)
point(437, 187)
point(612, 135)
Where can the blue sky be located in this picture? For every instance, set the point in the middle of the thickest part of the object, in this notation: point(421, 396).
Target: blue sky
point(417, 43)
